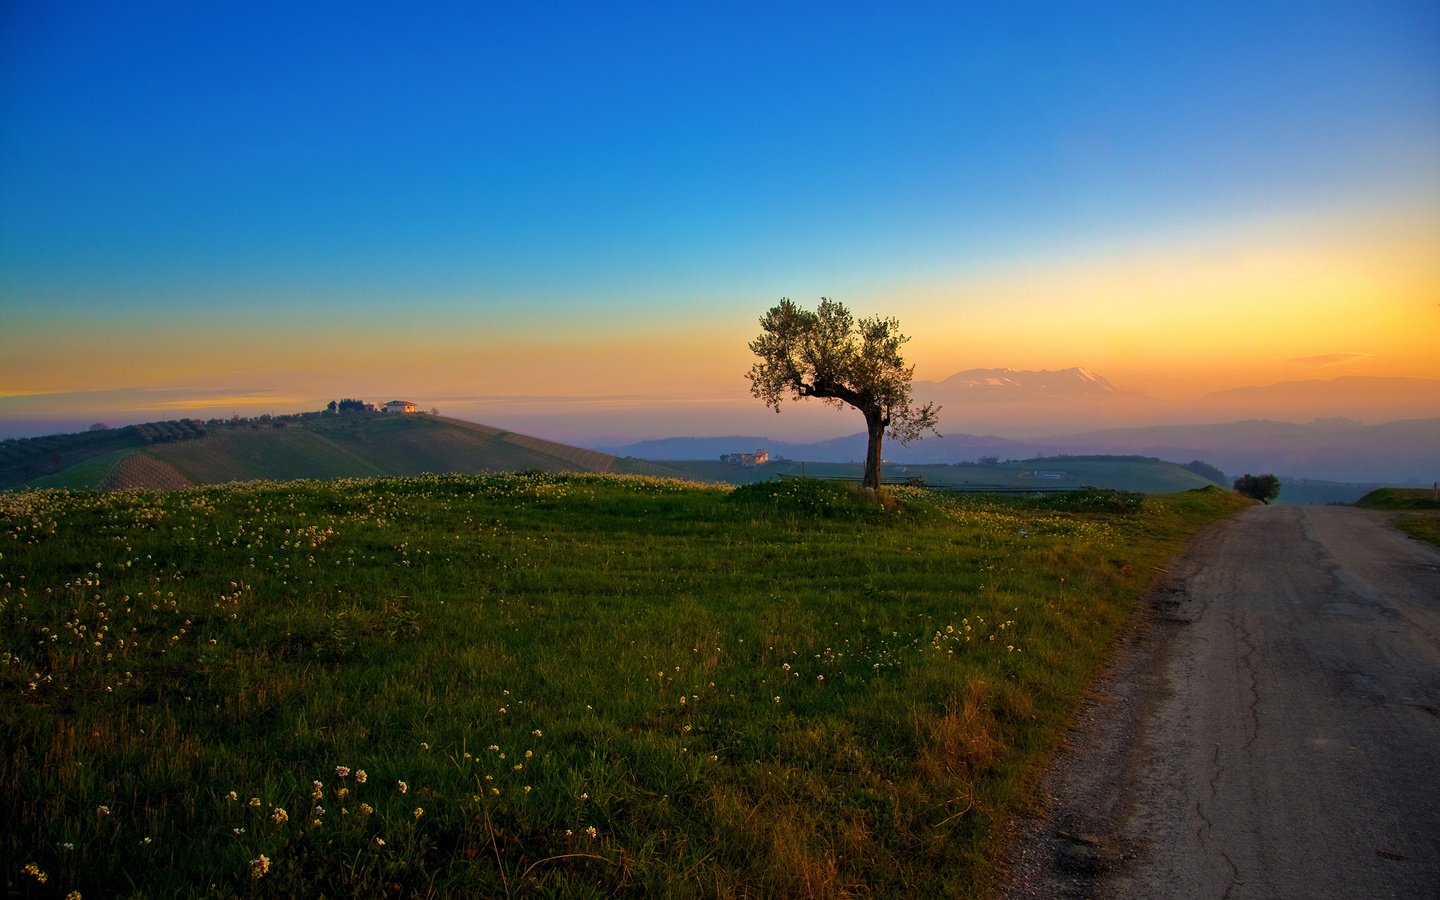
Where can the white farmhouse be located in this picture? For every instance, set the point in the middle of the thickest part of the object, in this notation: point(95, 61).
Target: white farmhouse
point(399, 406)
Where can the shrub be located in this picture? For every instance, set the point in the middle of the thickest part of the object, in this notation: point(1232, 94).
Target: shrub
point(1258, 487)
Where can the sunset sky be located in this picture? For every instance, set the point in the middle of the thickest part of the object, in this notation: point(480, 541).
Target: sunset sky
point(567, 218)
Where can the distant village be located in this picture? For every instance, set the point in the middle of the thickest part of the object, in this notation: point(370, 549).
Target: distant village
point(758, 458)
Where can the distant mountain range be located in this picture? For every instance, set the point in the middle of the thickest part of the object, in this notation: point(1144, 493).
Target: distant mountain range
point(1022, 403)
point(1013, 384)
point(1328, 449)
point(1394, 447)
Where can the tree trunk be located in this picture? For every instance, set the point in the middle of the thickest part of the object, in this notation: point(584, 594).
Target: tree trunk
point(875, 425)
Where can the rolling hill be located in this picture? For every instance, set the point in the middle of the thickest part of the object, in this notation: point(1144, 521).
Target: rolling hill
point(1338, 450)
point(170, 455)
point(321, 446)
point(1121, 473)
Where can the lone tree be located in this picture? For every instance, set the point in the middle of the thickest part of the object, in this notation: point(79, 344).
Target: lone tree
point(1258, 487)
point(827, 354)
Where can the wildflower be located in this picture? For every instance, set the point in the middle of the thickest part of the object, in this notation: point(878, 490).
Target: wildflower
point(102, 810)
point(402, 787)
point(777, 698)
point(342, 771)
point(67, 846)
point(232, 796)
point(73, 895)
point(254, 802)
point(342, 793)
point(494, 748)
point(424, 746)
point(419, 811)
point(591, 832)
point(36, 872)
point(379, 842)
point(317, 790)
point(279, 816)
point(259, 866)
point(360, 776)
point(366, 809)
point(538, 732)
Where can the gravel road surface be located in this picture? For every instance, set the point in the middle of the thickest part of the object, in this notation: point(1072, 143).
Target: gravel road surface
point(1270, 729)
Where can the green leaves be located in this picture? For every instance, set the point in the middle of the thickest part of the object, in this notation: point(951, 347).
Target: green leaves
point(827, 354)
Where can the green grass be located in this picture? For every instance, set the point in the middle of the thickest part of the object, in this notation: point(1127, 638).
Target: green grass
point(566, 685)
point(1421, 526)
point(89, 475)
point(1400, 498)
point(1422, 520)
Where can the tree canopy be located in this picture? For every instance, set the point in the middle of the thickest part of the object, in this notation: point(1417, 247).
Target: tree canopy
point(1258, 487)
point(830, 355)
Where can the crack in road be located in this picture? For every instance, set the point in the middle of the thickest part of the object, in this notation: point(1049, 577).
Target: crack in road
point(1235, 879)
point(1247, 664)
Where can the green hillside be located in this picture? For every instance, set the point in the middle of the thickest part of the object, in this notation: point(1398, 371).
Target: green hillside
point(1400, 498)
point(1121, 473)
point(319, 446)
point(169, 455)
point(60, 460)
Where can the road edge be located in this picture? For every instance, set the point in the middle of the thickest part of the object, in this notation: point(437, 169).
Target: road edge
point(1076, 837)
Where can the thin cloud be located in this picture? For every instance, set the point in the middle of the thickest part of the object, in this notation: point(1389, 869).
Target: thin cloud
point(1328, 359)
point(206, 400)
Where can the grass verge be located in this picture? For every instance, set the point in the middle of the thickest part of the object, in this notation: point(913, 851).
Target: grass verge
point(1420, 505)
point(572, 685)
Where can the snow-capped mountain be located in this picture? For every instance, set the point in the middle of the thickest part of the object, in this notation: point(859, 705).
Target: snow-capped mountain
point(1071, 382)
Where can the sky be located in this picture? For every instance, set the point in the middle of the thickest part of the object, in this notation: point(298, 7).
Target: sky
point(567, 218)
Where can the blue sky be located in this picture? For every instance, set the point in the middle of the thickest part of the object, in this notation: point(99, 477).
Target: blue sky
point(555, 177)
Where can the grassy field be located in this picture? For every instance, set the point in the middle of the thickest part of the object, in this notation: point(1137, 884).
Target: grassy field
point(568, 685)
point(1421, 508)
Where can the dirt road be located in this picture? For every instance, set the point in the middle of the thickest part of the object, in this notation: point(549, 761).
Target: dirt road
point(1271, 730)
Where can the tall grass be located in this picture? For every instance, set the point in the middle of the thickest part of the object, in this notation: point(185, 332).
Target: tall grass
point(573, 685)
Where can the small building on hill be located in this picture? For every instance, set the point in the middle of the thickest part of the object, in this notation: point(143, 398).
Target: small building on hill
point(759, 457)
point(399, 406)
